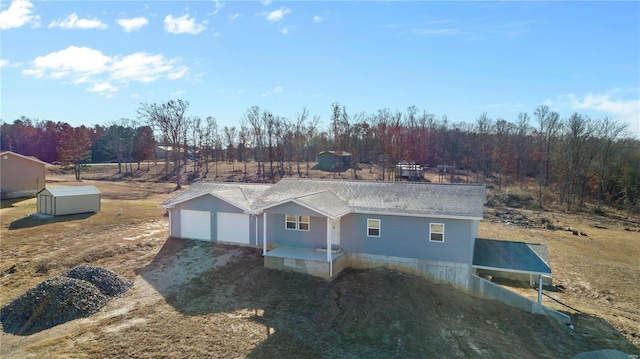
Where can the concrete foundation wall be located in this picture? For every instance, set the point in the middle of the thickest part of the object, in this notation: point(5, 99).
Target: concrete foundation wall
point(456, 274)
point(314, 268)
point(482, 288)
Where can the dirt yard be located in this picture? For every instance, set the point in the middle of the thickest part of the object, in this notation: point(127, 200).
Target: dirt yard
point(197, 299)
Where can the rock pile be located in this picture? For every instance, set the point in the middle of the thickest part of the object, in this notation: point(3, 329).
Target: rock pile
point(107, 282)
point(83, 291)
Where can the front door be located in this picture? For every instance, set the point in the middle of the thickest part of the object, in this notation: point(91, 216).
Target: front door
point(335, 233)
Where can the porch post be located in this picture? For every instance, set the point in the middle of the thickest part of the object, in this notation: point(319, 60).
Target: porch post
point(539, 288)
point(264, 233)
point(257, 234)
point(329, 248)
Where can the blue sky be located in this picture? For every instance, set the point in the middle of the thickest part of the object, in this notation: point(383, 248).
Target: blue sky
point(90, 62)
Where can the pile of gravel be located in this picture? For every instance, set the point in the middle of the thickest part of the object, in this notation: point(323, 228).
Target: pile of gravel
point(82, 292)
point(109, 283)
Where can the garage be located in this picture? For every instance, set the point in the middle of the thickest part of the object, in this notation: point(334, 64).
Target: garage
point(233, 227)
point(195, 224)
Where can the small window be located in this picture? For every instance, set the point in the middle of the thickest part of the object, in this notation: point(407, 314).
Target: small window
point(303, 223)
point(436, 232)
point(290, 222)
point(373, 227)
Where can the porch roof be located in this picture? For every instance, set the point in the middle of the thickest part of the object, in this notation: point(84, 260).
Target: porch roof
point(511, 256)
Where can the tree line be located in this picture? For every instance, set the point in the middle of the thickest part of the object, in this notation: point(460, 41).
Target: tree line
point(575, 159)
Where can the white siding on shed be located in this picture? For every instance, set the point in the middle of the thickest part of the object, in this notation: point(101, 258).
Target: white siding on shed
point(60, 201)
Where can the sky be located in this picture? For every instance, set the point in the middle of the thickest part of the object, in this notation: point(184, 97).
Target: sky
point(94, 62)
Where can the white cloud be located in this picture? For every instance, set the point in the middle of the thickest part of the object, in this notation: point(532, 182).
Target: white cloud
point(80, 65)
point(275, 90)
point(277, 15)
point(234, 16)
point(182, 25)
point(7, 63)
point(18, 14)
point(285, 30)
point(318, 18)
point(133, 24)
point(265, 2)
point(73, 22)
point(104, 89)
point(135, 95)
point(609, 104)
point(73, 62)
point(219, 6)
point(144, 67)
point(178, 93)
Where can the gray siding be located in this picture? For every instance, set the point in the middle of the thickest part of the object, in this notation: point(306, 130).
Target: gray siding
point(408, 237)
point(293, 208)
point(75, 204)
point(278, 235)
point(204, 203)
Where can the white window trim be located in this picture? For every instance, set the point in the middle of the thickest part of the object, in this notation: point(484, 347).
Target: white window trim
point(443, 230)
point(286, 222)
point(379, 227)
point(297, 223)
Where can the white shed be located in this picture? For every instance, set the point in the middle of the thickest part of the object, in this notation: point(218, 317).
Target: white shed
point(59, 201)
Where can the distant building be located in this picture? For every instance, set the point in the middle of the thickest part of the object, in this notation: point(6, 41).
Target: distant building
point(333, 161)
point(20, 176)
point(409, 171)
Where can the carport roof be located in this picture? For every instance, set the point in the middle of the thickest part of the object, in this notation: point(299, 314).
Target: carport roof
point(511, 256)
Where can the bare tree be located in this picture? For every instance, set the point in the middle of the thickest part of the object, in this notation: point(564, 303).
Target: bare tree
point(170, 119)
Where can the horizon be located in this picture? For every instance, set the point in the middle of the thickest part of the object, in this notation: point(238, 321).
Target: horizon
point(91, 63)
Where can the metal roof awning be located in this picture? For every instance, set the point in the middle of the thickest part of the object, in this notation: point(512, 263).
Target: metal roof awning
point(511, 256)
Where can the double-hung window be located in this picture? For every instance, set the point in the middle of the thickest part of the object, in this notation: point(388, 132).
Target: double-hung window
point(294, 222)
point(436, 232)
point(373, 227)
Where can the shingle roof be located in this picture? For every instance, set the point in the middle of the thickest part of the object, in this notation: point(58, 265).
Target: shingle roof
point(336, 198)
point(72, 191)
point(512, 256)
point(239, 194)
point(418, 198)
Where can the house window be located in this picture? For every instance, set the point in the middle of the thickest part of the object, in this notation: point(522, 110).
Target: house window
point(373, 228)
point(436, 232)
point(293, 222)
point(303, 223)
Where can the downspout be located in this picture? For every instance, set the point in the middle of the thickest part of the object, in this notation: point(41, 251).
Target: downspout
point(170, 231)
point(264, 233)
point(329, 248)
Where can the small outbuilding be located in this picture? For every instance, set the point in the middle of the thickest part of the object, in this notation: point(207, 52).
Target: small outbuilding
point(20, 176)
point(59, 201)
point(333, 161)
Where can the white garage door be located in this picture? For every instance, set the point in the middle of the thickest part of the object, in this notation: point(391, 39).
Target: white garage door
point(233, 227)
point(195, 224)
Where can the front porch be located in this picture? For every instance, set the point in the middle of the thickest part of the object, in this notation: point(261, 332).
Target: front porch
point(313, 261)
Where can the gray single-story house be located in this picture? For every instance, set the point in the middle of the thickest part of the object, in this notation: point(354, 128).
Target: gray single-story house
point(59, 201)
point(296, 220)
point(321, 227)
